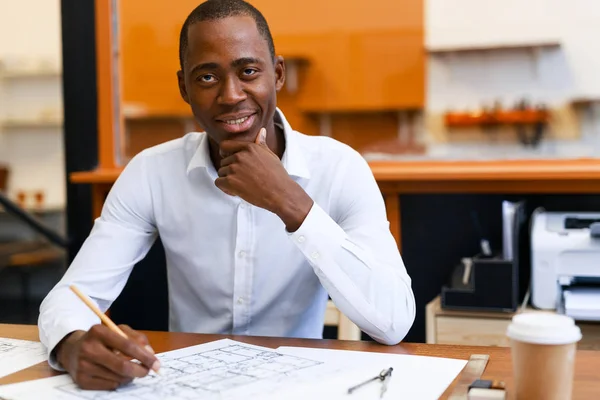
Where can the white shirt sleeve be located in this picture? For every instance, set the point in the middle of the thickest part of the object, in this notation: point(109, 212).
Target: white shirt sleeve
point(120, 238)
point(357, 260)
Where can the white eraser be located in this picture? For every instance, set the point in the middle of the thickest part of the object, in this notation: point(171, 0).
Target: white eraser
point(486, 394)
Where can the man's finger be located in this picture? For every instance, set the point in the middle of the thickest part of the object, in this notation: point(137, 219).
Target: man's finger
point(224, 171)
point(222, 184)
point(261, 138)
point(138, 337)
point(100, 353)
point(129, 348)
point(98, 371)
point(229, 147)
point(93, 383)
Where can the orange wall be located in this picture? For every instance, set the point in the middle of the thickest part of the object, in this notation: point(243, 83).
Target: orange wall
point(364, 56)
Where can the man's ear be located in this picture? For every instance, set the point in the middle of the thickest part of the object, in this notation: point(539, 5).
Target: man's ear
point(182, 88)
point(279, 73)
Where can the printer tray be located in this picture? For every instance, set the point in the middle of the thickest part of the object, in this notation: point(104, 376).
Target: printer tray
point(581, 303)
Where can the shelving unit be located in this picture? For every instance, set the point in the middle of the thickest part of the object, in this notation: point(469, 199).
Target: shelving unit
point(25, 74)
point(514, 117)
point(14, 124)
point(534, 48)
point(30, 104)
point(293, 63)
point(408, 127)
point(483, 328)
point(583, 101)
point(30, 73)
point(466, 48)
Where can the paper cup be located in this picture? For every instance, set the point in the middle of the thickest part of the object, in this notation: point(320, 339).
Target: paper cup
point(543, 347)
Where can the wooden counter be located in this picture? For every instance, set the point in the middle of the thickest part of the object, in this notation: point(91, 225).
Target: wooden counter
point(413, 177)
point(587, 367)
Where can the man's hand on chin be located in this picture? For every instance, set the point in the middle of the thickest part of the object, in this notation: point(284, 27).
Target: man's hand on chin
point(254, 173)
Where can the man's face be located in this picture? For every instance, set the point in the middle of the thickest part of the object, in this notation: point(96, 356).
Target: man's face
point(230, 79)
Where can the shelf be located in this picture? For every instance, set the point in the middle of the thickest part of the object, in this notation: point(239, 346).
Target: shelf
point(157, 117)
point(98, 176)
point(47, 209)
point(326, 109)
point(31, 124)
point(492, 47)
point(585, 100)
point(500, 117)
point(24, 74)
point(292, 64)
point(139, 111)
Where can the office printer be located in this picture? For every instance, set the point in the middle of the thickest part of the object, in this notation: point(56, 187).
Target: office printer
point(565, 263)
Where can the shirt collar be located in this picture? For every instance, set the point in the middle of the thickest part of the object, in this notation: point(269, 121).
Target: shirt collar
point(293, 159)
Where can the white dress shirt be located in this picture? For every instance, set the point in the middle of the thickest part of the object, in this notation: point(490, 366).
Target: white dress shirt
point(232, 267)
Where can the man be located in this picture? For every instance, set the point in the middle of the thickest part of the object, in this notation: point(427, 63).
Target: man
point(259, 223)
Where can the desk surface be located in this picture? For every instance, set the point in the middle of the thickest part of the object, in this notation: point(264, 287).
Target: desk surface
point(587, 371)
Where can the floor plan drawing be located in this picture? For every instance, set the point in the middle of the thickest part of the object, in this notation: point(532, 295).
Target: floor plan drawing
point(223, 369)
point(205, 374)
point(19, 354)
point(231, 370)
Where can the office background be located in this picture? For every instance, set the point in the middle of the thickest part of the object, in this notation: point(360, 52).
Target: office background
point(402, 81)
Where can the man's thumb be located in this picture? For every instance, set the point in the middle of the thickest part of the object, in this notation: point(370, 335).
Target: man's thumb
point(261, 138)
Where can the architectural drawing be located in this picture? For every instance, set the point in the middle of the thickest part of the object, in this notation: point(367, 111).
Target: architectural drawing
point(230, 370)
point(206, 374)
point(12, 347)
point(19, 354)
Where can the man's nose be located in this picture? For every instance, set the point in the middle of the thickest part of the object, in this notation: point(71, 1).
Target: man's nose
point(231, 92)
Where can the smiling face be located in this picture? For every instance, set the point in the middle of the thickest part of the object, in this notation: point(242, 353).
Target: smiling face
point(230, 79)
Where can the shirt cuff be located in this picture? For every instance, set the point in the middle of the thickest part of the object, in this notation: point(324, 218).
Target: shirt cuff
point(319, 237)
point(59, 334)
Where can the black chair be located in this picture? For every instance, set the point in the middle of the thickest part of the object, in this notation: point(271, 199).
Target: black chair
point(144, 302)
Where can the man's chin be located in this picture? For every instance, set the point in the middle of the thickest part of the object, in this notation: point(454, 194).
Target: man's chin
point(246, 136)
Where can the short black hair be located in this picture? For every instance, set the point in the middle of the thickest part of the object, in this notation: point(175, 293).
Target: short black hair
point(212, 10)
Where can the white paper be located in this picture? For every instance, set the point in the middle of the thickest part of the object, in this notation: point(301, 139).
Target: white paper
point(16, 355)
point(224, 369)
point(413, 377)
point(227, 369)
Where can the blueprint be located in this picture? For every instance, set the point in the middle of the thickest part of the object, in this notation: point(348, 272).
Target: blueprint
point(227, 370)
point(223, 369)
point(16, 355)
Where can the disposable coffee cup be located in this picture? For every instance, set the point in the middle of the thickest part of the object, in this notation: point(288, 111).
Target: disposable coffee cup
point(543, 348)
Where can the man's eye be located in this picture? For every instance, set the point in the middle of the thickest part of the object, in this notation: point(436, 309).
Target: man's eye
point(207, 78)
point(250, 71)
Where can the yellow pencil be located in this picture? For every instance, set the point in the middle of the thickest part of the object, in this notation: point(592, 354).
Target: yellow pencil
point(103, 317)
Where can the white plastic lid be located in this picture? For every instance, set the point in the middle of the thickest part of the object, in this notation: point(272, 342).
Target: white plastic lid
point(543, 328)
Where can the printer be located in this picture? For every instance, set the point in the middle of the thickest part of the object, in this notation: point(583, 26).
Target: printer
point(565, 263)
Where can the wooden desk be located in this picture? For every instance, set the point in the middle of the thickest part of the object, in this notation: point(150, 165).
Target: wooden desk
point(587, 371)
point(436, 177)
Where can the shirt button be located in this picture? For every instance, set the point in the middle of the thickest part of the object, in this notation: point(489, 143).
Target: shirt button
point(242, 254)
point(315, 255)
point(240, 300)
point(301, 239)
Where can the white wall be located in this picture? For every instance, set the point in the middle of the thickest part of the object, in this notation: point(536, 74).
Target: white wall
point(30, 32)
point(553, 76)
